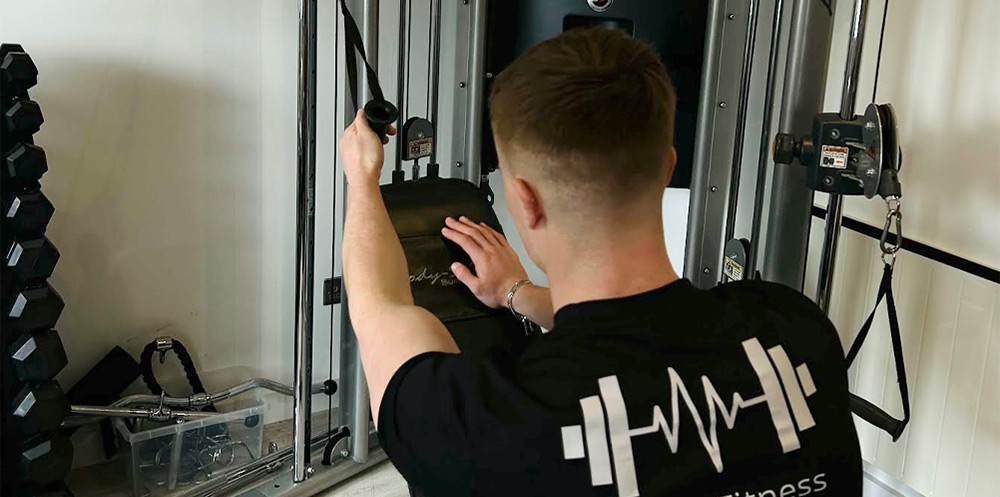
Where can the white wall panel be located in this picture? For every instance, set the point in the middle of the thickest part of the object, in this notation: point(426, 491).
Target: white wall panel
point(950, 327)
point(939, 71)
point(166, 189)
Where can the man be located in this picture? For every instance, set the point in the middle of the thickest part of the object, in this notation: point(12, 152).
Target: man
point(644, 385)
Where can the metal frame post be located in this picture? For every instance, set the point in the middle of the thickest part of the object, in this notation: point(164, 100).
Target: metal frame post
point(402, 78)
point(835, 208)
point(434, 74)
point(765, 138)
point(353, 392)
point(306, 233)
point(786, 239)
point(713, 150)
point(749, 45)
point(477, 69)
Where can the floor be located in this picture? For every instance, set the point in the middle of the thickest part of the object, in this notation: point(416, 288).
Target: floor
point(381, 481)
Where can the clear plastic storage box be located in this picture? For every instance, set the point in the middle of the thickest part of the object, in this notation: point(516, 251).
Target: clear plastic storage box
point(168, 457)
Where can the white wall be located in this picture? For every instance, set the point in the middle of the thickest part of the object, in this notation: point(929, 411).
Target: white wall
point(940, 71)
point(170, 133)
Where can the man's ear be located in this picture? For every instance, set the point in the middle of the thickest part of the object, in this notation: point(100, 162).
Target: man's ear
point(671, 164)
point(529, 202)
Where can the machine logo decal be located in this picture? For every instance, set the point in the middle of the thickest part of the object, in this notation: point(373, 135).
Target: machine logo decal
point(443, 278)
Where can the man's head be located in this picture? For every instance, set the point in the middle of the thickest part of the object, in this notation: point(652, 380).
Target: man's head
point(584, 126)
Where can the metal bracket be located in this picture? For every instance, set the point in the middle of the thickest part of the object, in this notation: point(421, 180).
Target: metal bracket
point(331, 290)
point(163, 345)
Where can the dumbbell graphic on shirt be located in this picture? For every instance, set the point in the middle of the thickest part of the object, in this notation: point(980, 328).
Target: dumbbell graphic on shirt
point(778, 381)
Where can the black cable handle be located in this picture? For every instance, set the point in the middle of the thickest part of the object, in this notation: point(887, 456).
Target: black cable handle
point(146, 367)
point(863, 408)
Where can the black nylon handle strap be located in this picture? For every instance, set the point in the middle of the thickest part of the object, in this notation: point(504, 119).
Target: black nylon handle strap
point(865, 328)
point(187, 362)
point(864, 409)
point(146, 368)
point(354, 44)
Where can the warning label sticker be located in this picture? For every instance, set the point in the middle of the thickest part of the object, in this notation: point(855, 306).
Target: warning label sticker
point(834, 157)
point(732, 269)
point(419, 148)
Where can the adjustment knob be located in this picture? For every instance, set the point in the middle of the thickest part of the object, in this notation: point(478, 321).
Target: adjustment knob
point(786, 148)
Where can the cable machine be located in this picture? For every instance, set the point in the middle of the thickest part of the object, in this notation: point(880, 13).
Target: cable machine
point(722, 75)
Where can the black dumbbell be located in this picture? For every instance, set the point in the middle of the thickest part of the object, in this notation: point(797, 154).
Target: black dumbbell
point(6, 48)
point(23, 116)
point(17, 71)
point(30, 260)
point(27, 211)
point(24, 162)
point(38, 356)
point(40, 407)
point(45, 460)
point(30, 308)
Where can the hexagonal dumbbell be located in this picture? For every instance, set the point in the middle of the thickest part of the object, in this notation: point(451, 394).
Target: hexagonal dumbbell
point(40, 407)
point(17, 71)
point(30, 260)
point(45, 460)
point(30, 308)
point(27, 211)
point(24, 162)
point(6, 48)
point(38, 356)
point(23, 116)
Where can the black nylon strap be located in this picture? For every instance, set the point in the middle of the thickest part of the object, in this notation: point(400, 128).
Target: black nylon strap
point(354, 44)
point(864, 409)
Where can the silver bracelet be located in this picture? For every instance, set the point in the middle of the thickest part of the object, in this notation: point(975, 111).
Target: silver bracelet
point(510, 299)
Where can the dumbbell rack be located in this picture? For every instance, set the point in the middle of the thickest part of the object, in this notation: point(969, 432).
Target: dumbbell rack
point(36, 457)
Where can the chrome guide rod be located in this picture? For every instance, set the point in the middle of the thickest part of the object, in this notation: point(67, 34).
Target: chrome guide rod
point(306, 233)
point(477, 69)
point(402, 78)
point(434, 74)
point(765, 137)
point(835, 208)
point(749, 44)
point(353, 391)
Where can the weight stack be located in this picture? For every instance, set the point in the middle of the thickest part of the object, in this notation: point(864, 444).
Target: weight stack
point(35, 457)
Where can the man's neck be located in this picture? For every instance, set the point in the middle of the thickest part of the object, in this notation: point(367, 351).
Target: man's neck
point(627, 264)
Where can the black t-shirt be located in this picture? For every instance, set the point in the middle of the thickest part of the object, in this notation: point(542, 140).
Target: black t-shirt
point(736, 391)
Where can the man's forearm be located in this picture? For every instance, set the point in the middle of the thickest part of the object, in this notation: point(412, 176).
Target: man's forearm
point(535, 303)
point(374, 263)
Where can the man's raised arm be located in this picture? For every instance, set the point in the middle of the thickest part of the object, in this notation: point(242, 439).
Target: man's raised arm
point(390, 329)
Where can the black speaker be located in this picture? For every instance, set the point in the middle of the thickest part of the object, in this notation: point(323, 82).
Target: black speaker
point(675, 27)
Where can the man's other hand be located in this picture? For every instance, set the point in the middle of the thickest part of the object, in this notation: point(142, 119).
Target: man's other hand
point(497, 265)
point(362, 152)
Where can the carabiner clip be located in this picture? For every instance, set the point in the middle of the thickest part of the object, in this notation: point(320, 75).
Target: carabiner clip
point(889, 251)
